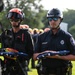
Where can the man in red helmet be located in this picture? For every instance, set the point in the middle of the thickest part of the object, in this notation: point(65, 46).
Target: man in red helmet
point(53, 41)
point(19, 39)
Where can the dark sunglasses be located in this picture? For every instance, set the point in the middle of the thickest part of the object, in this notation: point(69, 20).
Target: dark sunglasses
point(53, 18)
point(15, 20)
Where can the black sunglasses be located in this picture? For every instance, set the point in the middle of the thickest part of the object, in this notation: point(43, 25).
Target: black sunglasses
point(53, 18)
point(15, 20)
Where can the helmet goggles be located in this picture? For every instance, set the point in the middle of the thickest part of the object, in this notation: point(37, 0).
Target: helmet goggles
point(53, 18)
point(13, 15)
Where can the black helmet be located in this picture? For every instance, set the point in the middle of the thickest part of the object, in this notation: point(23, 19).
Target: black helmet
point(55, 13)
point(15, 13)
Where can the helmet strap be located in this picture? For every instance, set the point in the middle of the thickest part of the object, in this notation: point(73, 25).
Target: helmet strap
point(18, 25)
point(56, 27)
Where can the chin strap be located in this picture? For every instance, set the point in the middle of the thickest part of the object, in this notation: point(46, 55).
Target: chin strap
point(57, 26)
point(18, 24)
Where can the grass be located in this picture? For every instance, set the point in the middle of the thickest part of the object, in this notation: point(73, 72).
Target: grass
point(73, 70)
point(33, 71)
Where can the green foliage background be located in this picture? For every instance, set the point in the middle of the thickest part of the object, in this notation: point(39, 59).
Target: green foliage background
point(35, 14)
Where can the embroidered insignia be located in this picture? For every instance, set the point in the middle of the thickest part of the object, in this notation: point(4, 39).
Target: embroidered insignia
point(72, 41)
point(44, 42)
point(62, 42)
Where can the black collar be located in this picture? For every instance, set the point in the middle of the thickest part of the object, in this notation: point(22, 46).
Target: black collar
point(51, 32)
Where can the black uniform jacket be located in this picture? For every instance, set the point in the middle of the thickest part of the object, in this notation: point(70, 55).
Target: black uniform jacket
point(60, 41)
point(21, 41)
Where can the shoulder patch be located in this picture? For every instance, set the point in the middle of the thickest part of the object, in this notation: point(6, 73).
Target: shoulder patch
point(72, 41)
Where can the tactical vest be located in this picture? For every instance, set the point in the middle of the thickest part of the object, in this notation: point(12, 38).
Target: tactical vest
point(14, 40)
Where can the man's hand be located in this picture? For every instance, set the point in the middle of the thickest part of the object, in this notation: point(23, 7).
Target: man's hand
point(35, 56)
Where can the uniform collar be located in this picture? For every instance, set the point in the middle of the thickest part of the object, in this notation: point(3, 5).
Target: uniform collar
point(51, 32)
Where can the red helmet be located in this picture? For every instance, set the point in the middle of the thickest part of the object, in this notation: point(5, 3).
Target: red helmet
point(15, 13)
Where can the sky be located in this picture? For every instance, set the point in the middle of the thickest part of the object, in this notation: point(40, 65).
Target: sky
point(61, 4)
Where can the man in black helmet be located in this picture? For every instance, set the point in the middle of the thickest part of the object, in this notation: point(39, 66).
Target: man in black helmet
point(52, 41)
